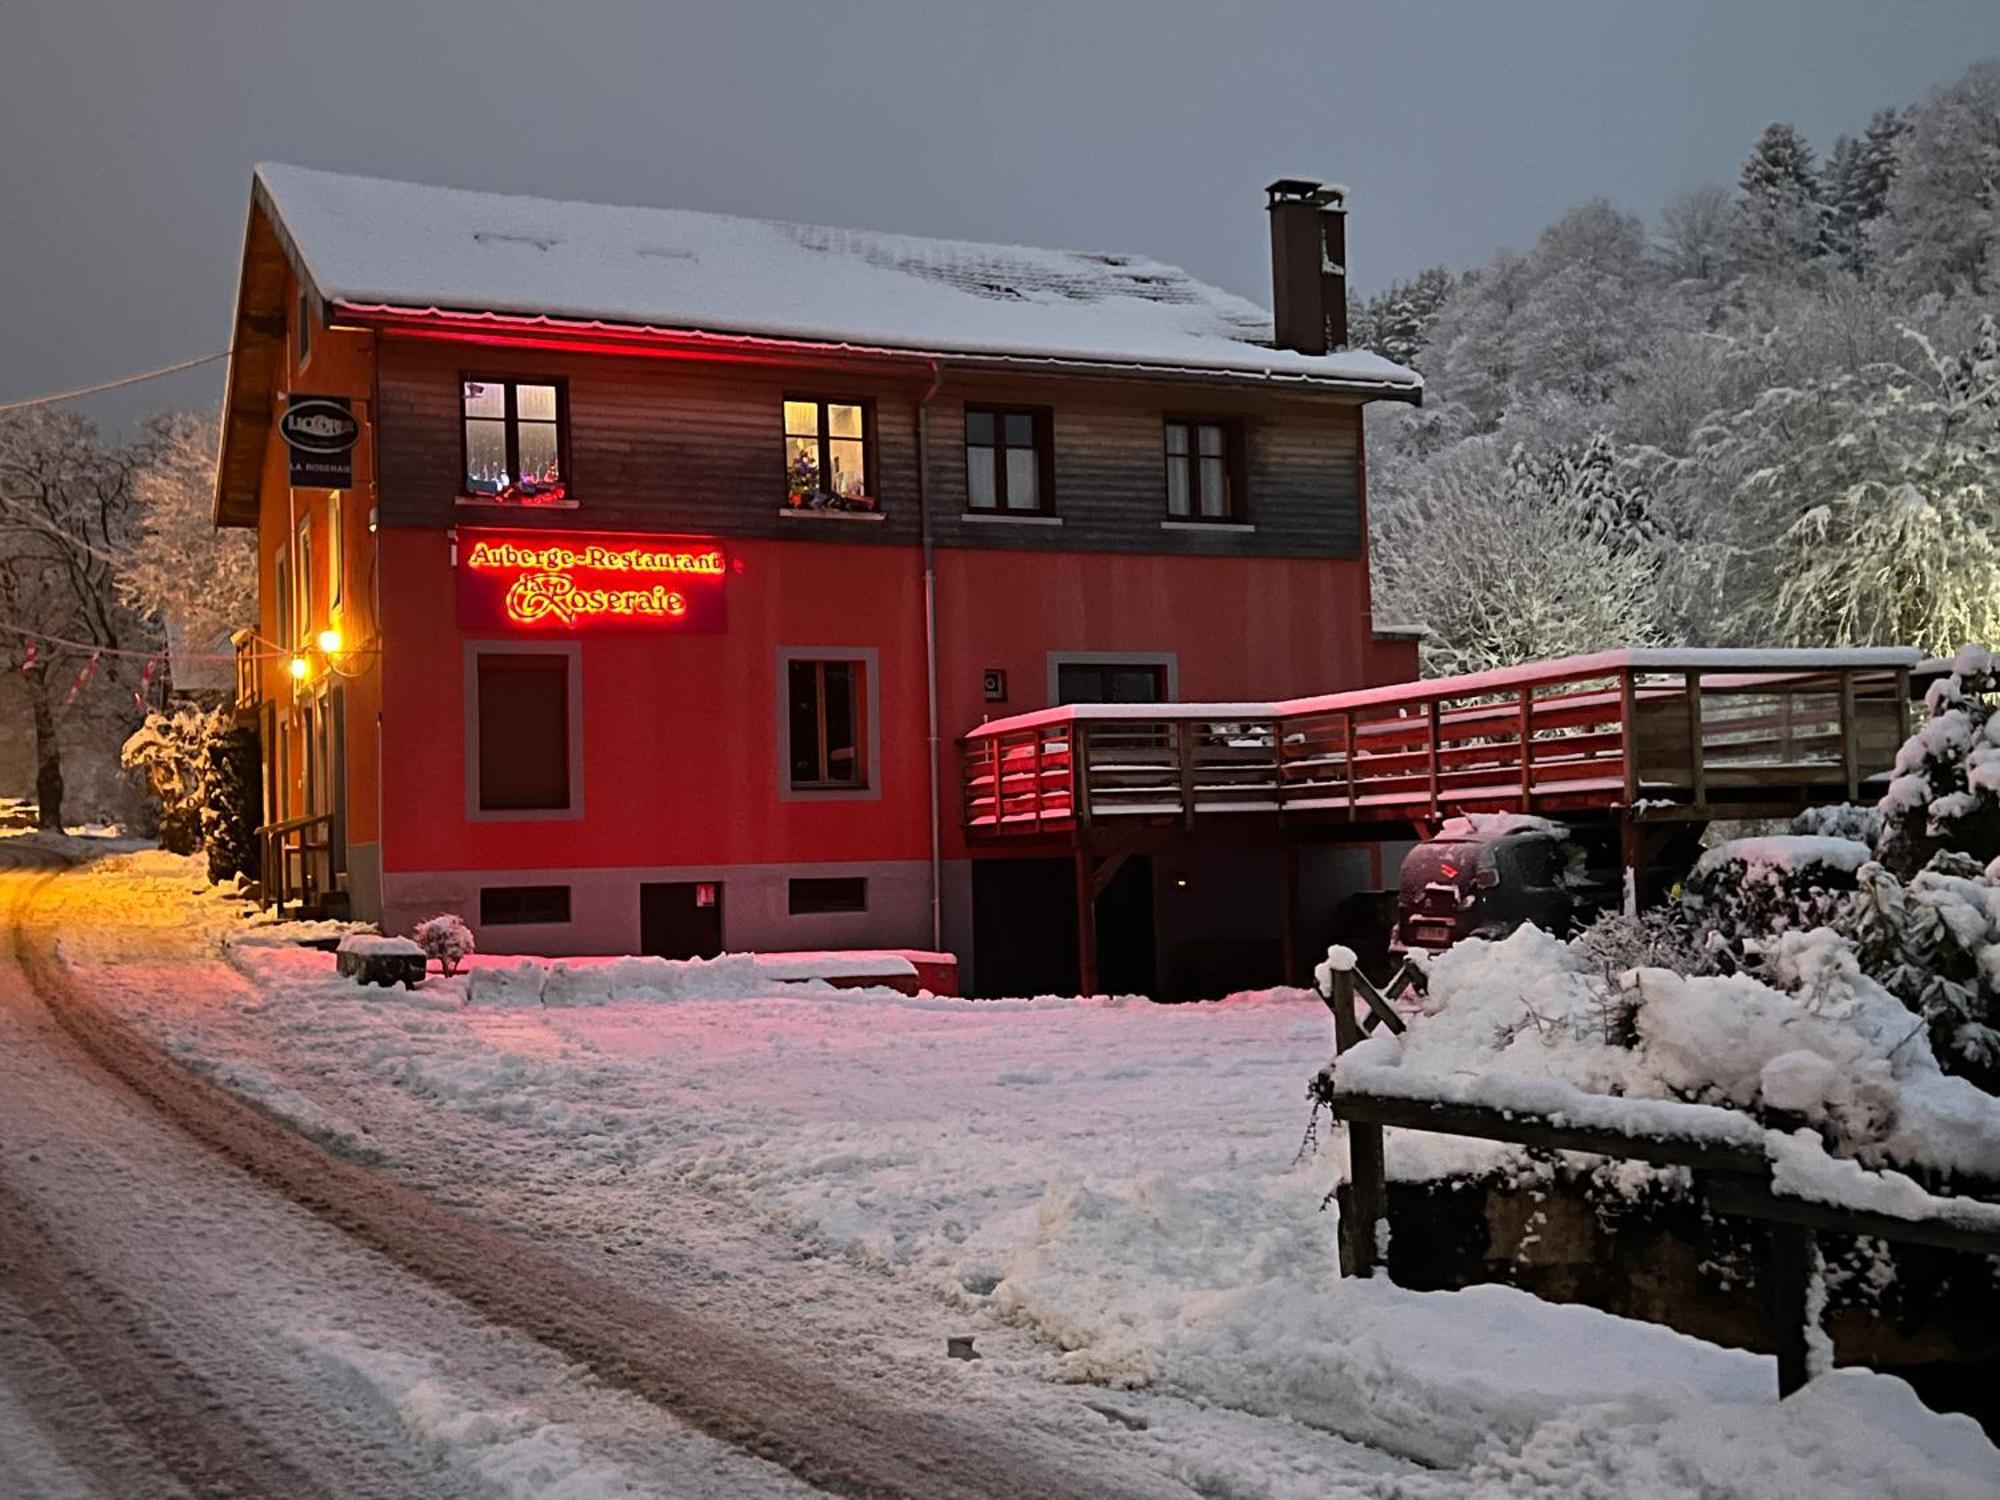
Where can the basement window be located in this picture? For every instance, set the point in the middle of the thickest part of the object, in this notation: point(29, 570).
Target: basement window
point(820, 895)
point(523, 905)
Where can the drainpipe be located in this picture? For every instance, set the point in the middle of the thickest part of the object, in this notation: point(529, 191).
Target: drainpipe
point(930, 646)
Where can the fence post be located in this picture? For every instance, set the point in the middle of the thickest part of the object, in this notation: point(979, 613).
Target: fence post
point(1791, 1265)
point(1367, 1190)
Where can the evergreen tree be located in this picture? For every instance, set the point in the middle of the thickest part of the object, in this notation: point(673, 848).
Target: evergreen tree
point(1779, 223)
point(1856, 191)
point(1942, 227)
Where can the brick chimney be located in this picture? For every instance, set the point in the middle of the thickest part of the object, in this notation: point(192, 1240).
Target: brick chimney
point(1308, 265)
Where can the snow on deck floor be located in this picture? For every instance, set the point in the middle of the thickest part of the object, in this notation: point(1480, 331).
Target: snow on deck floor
point(1122, 1180)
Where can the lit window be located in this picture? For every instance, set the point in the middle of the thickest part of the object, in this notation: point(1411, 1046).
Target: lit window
point(514, 441)
point(825, 728)
point(826, 456)
point(1006, 460)
point(1202, 484)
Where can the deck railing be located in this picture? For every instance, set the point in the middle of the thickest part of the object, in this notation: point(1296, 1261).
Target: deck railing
point(299, 862)
point(249, 684)
point(1619, 728)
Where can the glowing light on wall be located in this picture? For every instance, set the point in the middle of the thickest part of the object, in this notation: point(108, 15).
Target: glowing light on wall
point(585, 582)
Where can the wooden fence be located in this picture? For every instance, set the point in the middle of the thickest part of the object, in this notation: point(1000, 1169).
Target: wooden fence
point(1732, 1179)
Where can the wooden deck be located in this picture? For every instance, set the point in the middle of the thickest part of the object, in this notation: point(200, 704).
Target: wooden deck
point(1640, 735)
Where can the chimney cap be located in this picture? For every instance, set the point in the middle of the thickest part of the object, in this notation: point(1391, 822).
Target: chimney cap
point(1306, 190)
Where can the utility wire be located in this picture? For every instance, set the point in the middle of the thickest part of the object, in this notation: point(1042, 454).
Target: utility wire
point(112, 385)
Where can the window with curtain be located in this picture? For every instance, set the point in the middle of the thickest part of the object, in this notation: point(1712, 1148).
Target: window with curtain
point(1007, 461)
point(514, 441)
point(828, 466)
point(1203, 483)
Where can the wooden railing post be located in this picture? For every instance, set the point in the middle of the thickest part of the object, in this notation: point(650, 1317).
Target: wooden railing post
point(1434, 715)
point(1184, 741)
point(1347, 756)
point(1527, 749)
point(1628, 740)
point(1791, 1269)
point(1850, 745)
point(1079, 772)
point(1697, 752)
point(1039, 742)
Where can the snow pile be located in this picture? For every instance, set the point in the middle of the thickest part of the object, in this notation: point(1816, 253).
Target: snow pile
point(653, 981)
point(1785, 851)
point(374, 945)
point(1526, 1023)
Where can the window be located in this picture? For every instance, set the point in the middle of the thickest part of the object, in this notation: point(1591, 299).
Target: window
point(523, 731)
point(336, 550)
point(824, 701)
point(1202, 479)
point(282, 591)
point(824, 894)
point(1007, 461)
point(514, 441)
point(522, 905)
point(303, 615)
point(1110, 682)
point(827, 463)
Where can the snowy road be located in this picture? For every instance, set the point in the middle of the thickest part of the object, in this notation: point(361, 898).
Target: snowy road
point(172, 1326)
point(557, 1233)
point(197, 1300)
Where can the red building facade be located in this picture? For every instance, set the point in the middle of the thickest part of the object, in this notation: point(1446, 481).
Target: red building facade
point(643, 622)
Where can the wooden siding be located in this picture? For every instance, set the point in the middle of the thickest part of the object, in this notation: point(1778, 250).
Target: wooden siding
point(674, 445)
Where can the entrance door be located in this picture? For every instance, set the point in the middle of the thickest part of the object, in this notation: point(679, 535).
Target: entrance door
point(681, 919)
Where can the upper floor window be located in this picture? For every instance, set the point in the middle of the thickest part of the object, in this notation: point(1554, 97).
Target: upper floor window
point(1007, 460)
point(1203, 482)
point(828, 465)
point(514, 441)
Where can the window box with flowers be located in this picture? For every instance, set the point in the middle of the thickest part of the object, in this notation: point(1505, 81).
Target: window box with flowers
point(829, 459)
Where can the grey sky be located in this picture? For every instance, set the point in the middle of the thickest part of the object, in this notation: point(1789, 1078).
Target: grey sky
point(127, 131)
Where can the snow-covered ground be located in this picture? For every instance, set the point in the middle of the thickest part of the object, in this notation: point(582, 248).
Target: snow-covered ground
point(1106, 1193)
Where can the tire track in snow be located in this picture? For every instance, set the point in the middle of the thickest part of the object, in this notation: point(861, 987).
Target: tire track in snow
point(829, 1434)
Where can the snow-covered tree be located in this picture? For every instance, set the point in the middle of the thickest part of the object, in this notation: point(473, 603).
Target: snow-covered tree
point(1904, 546)
point(1694, 233)
point(1942, 226)
point(179, 540)
point(1396, 324)
point(67, 521)
point(1499, 574)
point(1859, 171)
point(168, 754)
point(1779, 222)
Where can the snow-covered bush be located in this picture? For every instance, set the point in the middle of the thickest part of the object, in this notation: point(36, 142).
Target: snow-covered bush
point(1665, 937)
point(1742, 894)
point(1935, 945)
point(232, 803)
point(446, 939)
point(1946, 790)
point(1841, 820)
point(168, 754)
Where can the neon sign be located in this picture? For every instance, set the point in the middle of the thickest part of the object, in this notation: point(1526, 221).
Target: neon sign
point(585, 582)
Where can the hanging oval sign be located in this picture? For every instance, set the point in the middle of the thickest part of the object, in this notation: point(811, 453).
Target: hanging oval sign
point(319, 424)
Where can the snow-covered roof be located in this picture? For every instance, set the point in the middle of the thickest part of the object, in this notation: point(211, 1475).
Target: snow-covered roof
point(370, 243)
